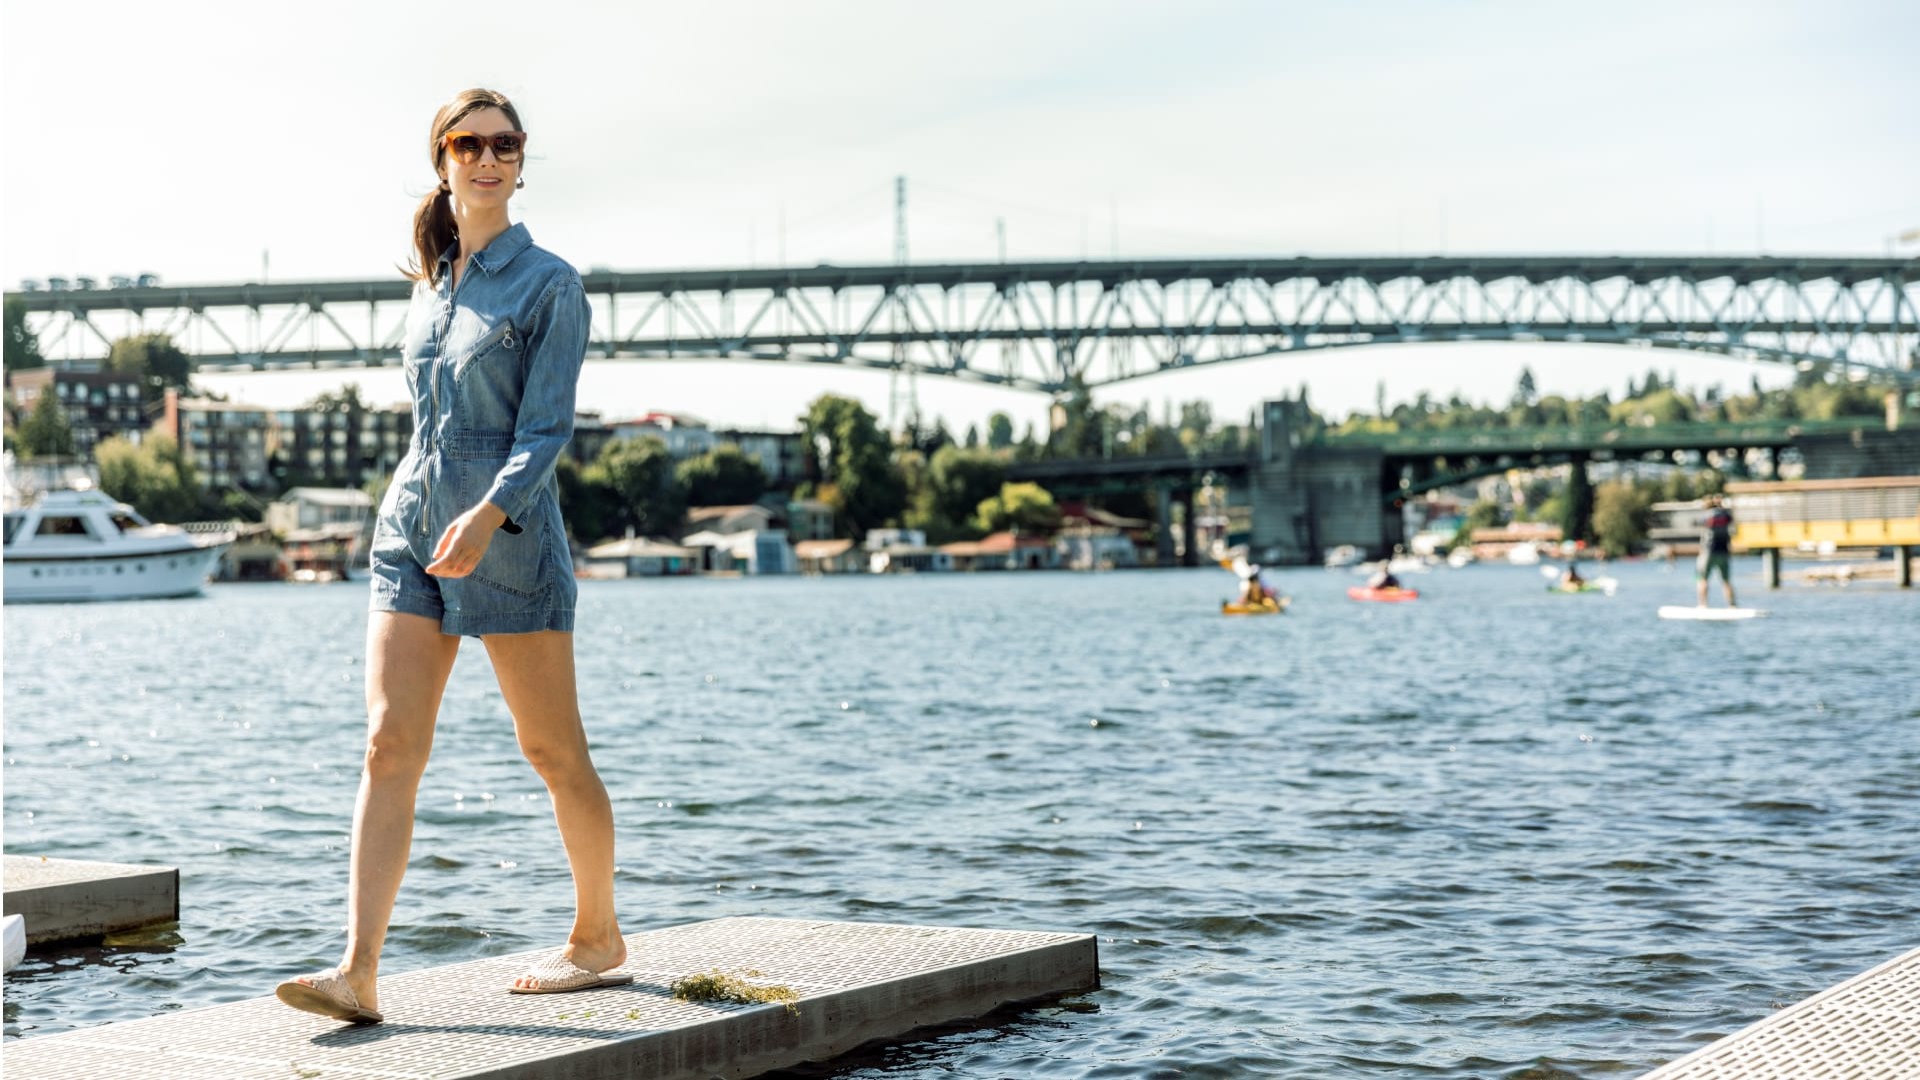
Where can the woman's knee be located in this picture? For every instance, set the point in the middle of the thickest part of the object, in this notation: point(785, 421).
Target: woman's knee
point(558, 759)
point(395, 751)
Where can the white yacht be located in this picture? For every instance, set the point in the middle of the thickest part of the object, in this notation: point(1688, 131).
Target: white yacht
point(82, 545)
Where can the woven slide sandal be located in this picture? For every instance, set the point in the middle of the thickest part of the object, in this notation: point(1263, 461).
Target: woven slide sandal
point(326, 994)
point(559, 975)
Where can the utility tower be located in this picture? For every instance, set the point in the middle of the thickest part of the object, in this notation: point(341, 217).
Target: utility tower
point(897, 319)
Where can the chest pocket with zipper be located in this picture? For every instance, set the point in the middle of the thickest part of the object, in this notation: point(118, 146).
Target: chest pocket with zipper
point(502, 342)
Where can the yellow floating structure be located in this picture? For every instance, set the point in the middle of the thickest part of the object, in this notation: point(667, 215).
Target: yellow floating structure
point(1869, 511)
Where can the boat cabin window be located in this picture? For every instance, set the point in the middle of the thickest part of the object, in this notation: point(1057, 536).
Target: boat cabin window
point(64, 525)
point(13, 525)
point(128, 522)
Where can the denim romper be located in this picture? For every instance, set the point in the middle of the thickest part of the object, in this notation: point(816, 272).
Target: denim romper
point(491, 367)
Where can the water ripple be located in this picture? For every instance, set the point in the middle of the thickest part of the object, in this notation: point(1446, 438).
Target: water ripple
point(1489, 835)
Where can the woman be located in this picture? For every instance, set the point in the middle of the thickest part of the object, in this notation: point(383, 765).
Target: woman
point(469, 542)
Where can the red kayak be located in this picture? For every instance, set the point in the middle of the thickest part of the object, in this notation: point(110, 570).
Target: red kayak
point(1385, 596)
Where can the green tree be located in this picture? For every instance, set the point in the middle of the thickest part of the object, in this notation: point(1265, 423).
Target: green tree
point(1084, 429)
point(723, 476)
point(999, 431)
point(973, 437)
point(346, 400)
point(154, 478)
point(46, 432)
point(1576, 506)
point(155, 360)
point(22, 344)
point(638, 474)
point(1196, 423)
point(1024, 508)
point(1621, 509)
point(1484, 514)
point(949, 492)
point(1524, 392)
point(586, 502)
point(852, 460)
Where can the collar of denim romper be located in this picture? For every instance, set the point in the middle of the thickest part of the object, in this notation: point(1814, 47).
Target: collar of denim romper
point(491, 259)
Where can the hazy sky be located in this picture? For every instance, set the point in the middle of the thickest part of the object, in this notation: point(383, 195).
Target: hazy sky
point(187, 139)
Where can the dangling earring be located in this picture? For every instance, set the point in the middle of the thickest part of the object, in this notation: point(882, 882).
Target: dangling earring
point(519, 182)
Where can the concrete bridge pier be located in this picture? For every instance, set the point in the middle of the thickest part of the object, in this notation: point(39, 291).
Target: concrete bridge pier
point(1162, 525)
point(1189, 529)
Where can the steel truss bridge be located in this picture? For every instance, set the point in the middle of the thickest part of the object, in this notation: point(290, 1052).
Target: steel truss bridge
point(1047, 326)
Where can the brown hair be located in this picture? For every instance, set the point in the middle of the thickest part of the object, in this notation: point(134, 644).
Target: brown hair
point(433, 230)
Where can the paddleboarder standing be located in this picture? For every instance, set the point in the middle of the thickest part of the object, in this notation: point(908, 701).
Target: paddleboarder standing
point(1716, 550)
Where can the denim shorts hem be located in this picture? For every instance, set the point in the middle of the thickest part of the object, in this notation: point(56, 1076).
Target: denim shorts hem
point(405, 603)
point(508, 622)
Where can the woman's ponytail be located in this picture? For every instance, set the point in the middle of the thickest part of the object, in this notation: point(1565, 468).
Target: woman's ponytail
point(433, 233)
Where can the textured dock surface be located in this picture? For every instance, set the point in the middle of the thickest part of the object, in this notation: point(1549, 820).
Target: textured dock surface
point(857, 982)
point(64, 899)
point(1866, 1027)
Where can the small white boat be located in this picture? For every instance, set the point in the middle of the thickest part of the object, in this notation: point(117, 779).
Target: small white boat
point(1523, 555)
point(15, 933)
point(1343, 556)
point(1710, 614)
point(1460, 556)
point(82, 545)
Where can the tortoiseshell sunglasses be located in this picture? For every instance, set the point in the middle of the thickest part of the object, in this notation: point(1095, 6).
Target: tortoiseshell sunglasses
point(466, 146)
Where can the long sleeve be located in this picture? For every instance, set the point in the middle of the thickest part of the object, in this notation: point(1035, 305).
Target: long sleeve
point(556, 346)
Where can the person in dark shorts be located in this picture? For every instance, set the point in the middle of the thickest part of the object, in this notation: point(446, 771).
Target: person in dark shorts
point(1716, 550)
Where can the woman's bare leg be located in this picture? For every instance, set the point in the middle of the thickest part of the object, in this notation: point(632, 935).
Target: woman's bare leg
point(537, 679)
point(408, 661)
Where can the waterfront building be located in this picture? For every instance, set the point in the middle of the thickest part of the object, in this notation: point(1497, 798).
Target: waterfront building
point(749, 551)
point(98, 404)
point(591, 434)
point(829, 556)
point(346, 446)
point(326, 533)
point(781, 454)
point(1519, 541)
point(639, 556)
point(903, 551)
point(1004, 551)
point(225, 441)
point(684, 436)
point(254, 556)
point(810, 519)
point(1092, 538)
point(749, 517)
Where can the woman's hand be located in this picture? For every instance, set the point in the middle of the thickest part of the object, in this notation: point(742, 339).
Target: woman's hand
point(465, 542)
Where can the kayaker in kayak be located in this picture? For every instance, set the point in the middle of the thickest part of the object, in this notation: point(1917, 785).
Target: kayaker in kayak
point(1383, 578)
point(1254, 590)
point(1571, 581)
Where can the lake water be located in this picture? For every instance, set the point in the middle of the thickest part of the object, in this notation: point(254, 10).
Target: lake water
point(1494, 833)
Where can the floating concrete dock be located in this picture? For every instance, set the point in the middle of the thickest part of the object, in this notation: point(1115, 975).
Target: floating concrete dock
point(65, 899)
point(856, 982)
point(1866, 1027)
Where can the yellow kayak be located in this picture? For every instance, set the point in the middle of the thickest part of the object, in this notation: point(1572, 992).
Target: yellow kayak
point(1269, 606)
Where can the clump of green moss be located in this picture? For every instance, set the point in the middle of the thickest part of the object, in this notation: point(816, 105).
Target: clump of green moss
point(717, 985)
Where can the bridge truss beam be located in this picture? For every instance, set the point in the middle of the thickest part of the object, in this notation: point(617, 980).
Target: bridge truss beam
point(1047, 326)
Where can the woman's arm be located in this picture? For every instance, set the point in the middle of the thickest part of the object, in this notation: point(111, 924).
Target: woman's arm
point(556, 347)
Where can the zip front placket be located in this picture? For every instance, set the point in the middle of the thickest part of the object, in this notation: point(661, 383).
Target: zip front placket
point(442, 325)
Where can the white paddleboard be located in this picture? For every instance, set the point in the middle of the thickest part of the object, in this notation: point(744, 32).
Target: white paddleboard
point(1711, 614)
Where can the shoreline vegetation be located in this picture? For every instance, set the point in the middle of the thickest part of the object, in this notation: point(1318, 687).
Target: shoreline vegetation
point(950, 488)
